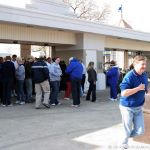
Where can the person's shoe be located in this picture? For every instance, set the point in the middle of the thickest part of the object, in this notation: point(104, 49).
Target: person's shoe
point(115, 99)
point(66, 98)
point(124, 146)
point(17, 102)
point(3, 105)
point(22, 103)
point(59, 103)
point(53, 104)
point(76, 106)
point(93, 100)
point(46, 105)
point(10, 105)
point(37, 107)
point(111, 99)
point(84, 95)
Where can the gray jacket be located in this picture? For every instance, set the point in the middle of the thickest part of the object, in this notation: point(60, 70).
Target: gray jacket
point(20, 72)
point(55, 72)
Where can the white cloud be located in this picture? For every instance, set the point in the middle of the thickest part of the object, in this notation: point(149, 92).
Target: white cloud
point(15, 3)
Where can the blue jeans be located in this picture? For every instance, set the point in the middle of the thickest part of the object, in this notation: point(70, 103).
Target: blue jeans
point(28, 83)
point(54, 92)
point(20, 90)
point(133, 122)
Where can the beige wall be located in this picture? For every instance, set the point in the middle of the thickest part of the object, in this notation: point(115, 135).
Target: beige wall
point(35, 34)
point(126, 44)
point(65, 55)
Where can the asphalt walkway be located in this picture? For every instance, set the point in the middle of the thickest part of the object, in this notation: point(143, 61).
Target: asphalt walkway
point(92, 126)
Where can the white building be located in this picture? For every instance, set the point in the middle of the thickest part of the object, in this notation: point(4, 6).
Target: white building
point(50, 23)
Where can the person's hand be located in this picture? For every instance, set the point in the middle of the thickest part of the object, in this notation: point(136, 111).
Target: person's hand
point(141, 87)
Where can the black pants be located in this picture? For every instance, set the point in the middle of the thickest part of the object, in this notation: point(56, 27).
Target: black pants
point(92, 89)
point(75, 88)
point(83, 82)
point(1, 91)
point(7, 86)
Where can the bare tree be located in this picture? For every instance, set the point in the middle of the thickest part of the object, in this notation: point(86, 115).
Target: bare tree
point(88, 10)
point(39, 49)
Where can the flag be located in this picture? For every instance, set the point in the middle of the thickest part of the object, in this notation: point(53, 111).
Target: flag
point(120, 8)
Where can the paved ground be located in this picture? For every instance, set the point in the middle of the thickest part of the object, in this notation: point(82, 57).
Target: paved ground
point(92, 126)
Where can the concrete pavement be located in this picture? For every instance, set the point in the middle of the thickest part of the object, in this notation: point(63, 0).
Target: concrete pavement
point(92, 126)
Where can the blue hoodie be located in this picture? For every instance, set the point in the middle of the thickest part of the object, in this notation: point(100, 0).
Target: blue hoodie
point(75, 69)
point(113, 75)
point(130, 81)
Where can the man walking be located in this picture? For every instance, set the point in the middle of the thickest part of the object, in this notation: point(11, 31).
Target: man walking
point(40, 74)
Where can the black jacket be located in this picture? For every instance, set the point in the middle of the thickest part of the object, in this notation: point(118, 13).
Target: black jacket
point(92, 75)
point(40, 71)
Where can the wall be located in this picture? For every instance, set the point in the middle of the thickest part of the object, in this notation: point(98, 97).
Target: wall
point(35, 34)
point(126, 44)
point(65, 54)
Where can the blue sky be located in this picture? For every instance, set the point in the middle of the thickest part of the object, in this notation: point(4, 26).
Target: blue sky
point(135, 12)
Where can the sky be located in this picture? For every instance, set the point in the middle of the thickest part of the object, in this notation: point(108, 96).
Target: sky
point(135, 12)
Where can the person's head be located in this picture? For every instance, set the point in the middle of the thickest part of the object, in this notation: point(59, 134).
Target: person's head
point(48, 59)
point(1, 59)
point(7, 58)
point(139, 63)
point(19, 60)
point(112, 63)
point(14, 57)
point(57, 60)
point(41, 56)
point(70, 59)
point(91, 64)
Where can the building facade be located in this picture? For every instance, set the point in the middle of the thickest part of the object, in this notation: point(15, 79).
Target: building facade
point(50, 23)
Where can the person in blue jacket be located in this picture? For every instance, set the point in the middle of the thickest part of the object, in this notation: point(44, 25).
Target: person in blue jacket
point(75, 70)
point(112, 79)
point(133, 88)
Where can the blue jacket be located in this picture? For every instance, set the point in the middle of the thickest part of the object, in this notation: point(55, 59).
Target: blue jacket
point(130, 81)
point(75, 69)
point(113, 75)
point(40, 71)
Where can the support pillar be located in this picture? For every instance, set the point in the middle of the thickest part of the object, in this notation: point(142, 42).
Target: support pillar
point(97, 57)
point(126, 59)
point(53, 52)
point(25, 50)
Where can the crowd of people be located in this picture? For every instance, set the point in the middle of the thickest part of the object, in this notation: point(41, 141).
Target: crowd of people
point(44, 77)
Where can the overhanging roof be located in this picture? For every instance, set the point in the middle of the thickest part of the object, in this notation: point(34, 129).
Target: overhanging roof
point(51, 20)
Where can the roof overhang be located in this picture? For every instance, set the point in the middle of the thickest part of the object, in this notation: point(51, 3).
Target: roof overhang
point(61, 22)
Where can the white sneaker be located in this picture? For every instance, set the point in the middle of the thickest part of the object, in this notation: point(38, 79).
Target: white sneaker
point(124, 146)
point(22, 103)
point(84, 95)
point(53, 104)
point(66, 98)
point(17, 102)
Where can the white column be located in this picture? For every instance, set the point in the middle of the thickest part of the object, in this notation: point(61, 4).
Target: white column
point(93, 46)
